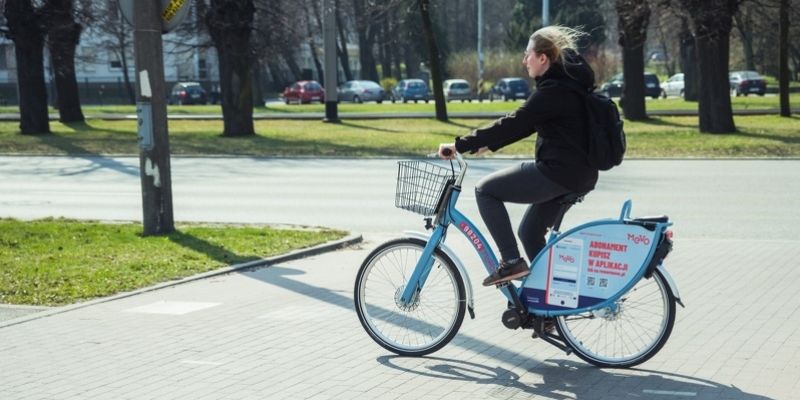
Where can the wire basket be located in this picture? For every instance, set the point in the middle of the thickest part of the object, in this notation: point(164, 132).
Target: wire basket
point(421, 185)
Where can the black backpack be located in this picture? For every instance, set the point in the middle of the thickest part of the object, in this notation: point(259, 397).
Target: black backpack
point(606, 137)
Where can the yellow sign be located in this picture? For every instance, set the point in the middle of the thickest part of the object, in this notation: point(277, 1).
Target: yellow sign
point(172, 8)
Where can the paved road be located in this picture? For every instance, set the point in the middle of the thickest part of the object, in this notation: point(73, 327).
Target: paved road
point(289, 331)
point(706, 199)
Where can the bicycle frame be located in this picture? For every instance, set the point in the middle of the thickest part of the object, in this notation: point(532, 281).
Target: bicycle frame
point(538, 292)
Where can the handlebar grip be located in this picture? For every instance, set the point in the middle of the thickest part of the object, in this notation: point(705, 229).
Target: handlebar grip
point(447, 152)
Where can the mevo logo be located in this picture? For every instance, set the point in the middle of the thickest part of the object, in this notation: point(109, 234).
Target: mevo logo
point(566, 258)
point(638, 239)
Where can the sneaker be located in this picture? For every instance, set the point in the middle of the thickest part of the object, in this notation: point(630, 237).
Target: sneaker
point(507, 272)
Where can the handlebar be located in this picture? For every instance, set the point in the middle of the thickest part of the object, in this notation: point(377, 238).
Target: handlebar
point(461, 163)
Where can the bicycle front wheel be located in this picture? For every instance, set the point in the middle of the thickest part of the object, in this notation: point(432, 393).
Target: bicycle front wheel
point(627, 333)
point(434, 315)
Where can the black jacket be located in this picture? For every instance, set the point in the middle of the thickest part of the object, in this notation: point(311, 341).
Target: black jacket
point(558, 115)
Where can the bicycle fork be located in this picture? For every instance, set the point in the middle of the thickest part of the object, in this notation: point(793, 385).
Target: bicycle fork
point(422, 269)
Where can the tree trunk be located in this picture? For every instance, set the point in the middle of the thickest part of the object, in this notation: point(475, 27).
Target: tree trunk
point(386, 51)
point(126, 76)
point(712, 21)
point(230, 24)
point(312, 47)
point(63, 37)
point(433, 57)
point(258, 93)
point(745, 28)
point(783, 84)
point(366, 41)
point(412, 63)
point(26, 29)
point(689, 62)
point(633, 95)
point(341, 49)
point(714, 108)
point(294, 68)
point(634, 16)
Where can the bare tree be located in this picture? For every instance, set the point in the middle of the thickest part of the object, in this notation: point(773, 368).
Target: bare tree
point(312, 31)
point(634, 16)
point(26, 26)
point(341, 47)
point(711, 22)
point(230, 23)
point(117, 39)
point(433, 57)
point(689, 62)
point(784, 58)
point(63, 36)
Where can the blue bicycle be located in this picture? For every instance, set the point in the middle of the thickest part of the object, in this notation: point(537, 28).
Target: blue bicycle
point(599, 289)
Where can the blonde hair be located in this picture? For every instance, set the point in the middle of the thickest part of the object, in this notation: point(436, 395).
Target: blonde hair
point(553, 40)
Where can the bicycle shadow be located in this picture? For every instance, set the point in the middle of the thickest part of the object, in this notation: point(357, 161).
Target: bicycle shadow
point(565, 379)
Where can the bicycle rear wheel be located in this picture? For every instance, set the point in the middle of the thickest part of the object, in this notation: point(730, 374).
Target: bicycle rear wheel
point(433, 317)
point(628, 335)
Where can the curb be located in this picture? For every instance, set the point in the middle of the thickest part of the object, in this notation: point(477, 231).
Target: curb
point(265, 262)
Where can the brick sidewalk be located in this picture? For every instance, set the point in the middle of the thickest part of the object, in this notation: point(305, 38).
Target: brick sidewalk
point(290, 332)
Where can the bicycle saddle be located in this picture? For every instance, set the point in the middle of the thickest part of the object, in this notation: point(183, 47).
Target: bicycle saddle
point(653, 218)
point(570, 198)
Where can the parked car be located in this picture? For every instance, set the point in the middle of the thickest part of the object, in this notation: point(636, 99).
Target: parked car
point(410, 89)
point(613, 87)
point(304, 92)
point(510, 89)
point(673, 86)
point(361, 91)
point(457, 89)
point(746, 82)
point(185, 93)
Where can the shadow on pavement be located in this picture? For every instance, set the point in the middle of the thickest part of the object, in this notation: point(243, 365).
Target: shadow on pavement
point(280, 276)
point(565, 379)
point(70, 148)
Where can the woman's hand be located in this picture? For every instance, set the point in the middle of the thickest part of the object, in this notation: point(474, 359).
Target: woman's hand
point(482, 150)
point(447, 151)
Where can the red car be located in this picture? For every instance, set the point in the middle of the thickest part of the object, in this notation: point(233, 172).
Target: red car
point(304, 92)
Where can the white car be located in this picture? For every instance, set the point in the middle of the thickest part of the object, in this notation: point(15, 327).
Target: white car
point(457, 89)
point(673, 86)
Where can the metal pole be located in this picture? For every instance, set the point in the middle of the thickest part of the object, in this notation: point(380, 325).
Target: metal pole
point(545, 12)
point(151, 107)
point(331, 81)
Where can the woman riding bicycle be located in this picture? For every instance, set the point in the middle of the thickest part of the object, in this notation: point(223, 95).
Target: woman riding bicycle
point(557, 115)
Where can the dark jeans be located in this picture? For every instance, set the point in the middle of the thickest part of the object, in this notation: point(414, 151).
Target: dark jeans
point(524, 184)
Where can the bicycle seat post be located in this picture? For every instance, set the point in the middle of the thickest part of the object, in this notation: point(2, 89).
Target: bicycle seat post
point(566, 201)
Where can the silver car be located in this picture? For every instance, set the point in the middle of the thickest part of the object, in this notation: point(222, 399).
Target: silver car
point(673, 86)
point(457, 89)
point(360, 91)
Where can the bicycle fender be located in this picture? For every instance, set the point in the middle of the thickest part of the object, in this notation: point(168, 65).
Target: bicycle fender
point(459, 266)
point(671, 283)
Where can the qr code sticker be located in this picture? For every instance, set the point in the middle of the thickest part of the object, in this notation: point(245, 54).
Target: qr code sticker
point(603, 282)
point(590, 281)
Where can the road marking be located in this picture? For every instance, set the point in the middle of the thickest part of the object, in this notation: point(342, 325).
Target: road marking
point(194, 362)
point(172, 307)
point(670, 393)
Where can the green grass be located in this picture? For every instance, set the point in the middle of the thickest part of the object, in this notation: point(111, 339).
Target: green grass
point(738, 103)
point(57, 261)
point(757, 136)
